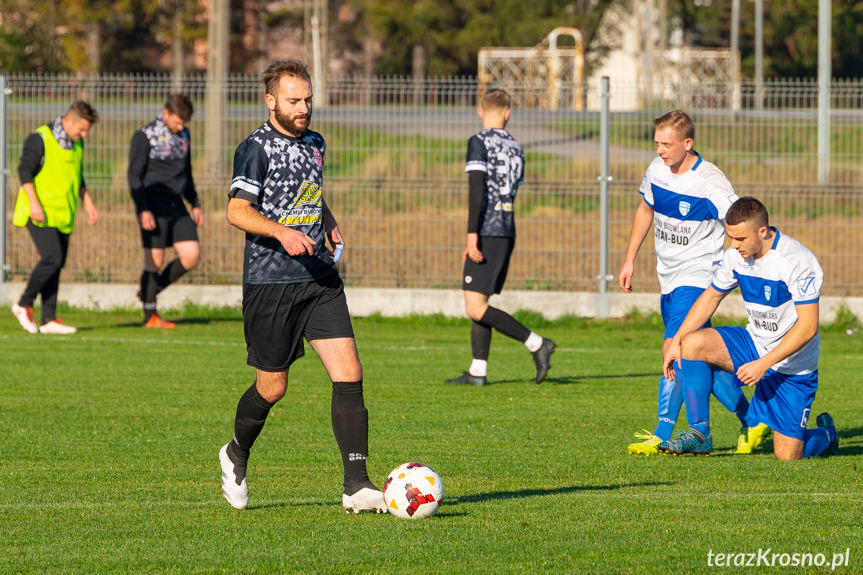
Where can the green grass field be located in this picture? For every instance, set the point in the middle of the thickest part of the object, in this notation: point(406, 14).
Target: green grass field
point(110, 439)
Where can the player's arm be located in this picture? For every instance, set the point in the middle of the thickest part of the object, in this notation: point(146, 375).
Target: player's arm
point(641, 223)
point(243, 215)
point(799, 335)
point(89, 206)
point(190, 192)
point(702, 310)
point(476, 191)
point(139, 156)
point(30, 165)
point(331, 226)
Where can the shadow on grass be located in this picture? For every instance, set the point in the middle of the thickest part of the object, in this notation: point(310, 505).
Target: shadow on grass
point(569, 379)
point(181, 322)
point(846, 435)
point(449, 502)
point(522, 493)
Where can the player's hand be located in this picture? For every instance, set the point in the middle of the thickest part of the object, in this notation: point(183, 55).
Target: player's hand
point(472, 251)
point(92, 214)
point(670, 356)
point(335, 236)
point(198, 217)
point(37, 214)
point(751, 373)
point(147, 220)
point(625, 277)
point(296, 243)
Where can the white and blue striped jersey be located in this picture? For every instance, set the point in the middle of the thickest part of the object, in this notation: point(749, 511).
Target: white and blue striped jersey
point(688, 221)
point(786, 276)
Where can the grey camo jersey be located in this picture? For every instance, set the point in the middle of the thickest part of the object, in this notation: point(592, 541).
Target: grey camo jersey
point(164, 144)
point(496, 153)
point(282, 177)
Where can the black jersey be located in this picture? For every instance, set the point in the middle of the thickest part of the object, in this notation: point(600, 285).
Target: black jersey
point(282, 177)
point(496, 153)
point(160, 169)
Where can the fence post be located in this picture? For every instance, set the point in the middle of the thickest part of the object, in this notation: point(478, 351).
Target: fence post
point(4, 152)
point(604, 179)
point(824, 79)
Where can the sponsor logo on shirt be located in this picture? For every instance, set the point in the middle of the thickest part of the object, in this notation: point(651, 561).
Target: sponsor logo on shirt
point(806, 286)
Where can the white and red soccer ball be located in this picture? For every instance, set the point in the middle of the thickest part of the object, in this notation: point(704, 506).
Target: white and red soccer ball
point(412, 491)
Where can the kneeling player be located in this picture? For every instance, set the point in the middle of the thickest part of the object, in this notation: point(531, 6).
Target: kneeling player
point(780, 281)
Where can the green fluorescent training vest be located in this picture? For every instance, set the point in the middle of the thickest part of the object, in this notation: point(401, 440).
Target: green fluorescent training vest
point(57, 184)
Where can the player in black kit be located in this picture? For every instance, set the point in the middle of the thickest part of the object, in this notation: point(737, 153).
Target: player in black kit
point(495, 168)
point(160, 176)
point(291, 288)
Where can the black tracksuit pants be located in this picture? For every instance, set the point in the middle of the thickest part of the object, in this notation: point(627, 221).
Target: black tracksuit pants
point(53, 246)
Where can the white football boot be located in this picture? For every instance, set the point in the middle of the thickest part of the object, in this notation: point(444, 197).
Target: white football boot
point(24, 315)
point(365, 499)
point(237, 494)
point(57, 327)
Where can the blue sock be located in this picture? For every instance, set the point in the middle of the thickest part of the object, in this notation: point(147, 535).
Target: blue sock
point(815, 441)
point(668, 407)
point(697, 380)
point(730, 395)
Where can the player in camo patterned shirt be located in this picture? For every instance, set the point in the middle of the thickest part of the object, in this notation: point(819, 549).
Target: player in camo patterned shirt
point(291, 288)
point(495, 167)
point(160, 177)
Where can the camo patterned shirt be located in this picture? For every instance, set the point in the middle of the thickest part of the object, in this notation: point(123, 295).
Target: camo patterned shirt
point(496, 153)
point(282, 178)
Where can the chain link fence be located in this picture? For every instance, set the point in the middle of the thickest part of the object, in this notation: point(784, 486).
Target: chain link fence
point(394, 175)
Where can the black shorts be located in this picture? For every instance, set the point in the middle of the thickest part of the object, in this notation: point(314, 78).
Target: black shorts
point(170, 230)
point(488, 276)
point(276, 318)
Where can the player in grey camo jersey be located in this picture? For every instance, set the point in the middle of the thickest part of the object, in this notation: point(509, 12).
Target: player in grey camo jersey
point(495, 167)
point(291, 288)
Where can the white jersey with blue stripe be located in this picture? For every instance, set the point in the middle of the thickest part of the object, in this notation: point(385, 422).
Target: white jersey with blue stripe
point(688, 227)
point(786, 276)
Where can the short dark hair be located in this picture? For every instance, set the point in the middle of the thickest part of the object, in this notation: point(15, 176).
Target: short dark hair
point(84, 110)
point(747, 209)
point(679, 121)
point(181, 105)
point(496, 99)
point(290, 67)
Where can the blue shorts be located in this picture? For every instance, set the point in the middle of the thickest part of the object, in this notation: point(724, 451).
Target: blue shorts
point(675, 305)
point(782, 401)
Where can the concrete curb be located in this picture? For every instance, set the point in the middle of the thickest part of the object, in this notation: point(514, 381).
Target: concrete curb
point(404, 301)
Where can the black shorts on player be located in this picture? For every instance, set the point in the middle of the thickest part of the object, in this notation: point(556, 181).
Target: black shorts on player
point(489, 275)
point(276, 318)
point(169, 231)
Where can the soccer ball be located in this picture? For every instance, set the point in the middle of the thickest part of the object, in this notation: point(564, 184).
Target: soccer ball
point(412, 491)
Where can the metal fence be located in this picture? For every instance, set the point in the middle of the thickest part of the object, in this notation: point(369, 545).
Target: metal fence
point(394, 175)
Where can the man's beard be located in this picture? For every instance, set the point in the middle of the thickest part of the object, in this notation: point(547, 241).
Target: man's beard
point(290, 123)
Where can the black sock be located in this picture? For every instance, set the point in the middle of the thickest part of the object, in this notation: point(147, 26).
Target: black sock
point(480, 340)
point(172, 272)
point(252, 411)
point(505, 324)
point(351, 427)
point(148, 293)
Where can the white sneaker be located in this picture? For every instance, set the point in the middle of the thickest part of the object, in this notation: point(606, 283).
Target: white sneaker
point(24, 315)
point(236, 494)
point(57, 327)
point(365, 498)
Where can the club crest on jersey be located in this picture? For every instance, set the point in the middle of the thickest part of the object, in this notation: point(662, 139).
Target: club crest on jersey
point(767, 291)
point(319, 159)
point(683, 207)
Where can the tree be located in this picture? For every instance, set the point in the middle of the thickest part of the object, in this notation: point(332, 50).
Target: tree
point(451, 32)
